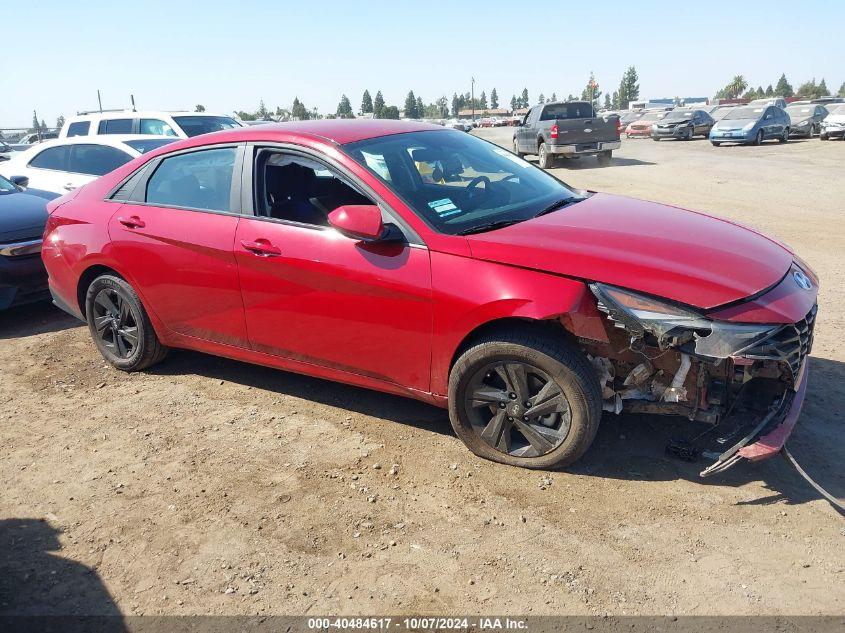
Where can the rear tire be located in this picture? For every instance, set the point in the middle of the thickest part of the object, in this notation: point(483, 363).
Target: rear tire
point(495, 383)
point(822, 136)
point(120, 326)
point(544, 159)
point(605, 156)
point(715, 143)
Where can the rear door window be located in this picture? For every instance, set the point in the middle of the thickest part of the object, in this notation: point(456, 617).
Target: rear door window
point(198, 180)
point(96, 160)
point(52, 158)
point(115, 126)
point(156, 126)
point(78, 128)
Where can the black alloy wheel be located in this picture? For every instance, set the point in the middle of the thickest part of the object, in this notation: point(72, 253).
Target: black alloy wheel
point(518, 409)
point(120, 326)
point(115, 323)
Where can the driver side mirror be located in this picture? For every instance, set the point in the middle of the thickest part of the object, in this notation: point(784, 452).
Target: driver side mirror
point(20, 181)
point(359, 221)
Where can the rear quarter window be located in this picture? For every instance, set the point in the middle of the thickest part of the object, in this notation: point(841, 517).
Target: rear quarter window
point(78, 128)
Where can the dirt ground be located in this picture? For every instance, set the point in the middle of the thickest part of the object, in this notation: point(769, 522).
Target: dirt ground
point(208, 486)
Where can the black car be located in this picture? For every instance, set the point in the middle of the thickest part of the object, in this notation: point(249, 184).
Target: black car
point(806, 119)
point(23, 214)
point(683, 124)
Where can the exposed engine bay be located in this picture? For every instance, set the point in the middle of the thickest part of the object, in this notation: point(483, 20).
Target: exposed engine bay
point(739, 380)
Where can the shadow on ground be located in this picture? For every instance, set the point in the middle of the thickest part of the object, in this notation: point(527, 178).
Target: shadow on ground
point(34, 319)
point(36, 581)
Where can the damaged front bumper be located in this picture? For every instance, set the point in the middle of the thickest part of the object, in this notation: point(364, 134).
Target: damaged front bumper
point(731, 369)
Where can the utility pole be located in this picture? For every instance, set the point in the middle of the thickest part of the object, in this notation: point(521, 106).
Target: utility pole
point(472, 99)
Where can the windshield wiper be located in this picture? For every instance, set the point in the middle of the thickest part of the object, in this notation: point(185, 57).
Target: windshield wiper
point(559, 204)
point(490, 226)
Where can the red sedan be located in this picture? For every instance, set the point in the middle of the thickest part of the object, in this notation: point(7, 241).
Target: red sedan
point(422, 261)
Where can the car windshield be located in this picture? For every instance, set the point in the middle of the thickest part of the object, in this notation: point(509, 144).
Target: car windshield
point(721, 113)
point(144, 146)
point(6, 186)
point(745, 114)
point(630, 116)
point(458, 183)
point(679, 115)
point(194, 125)
point(800, 111)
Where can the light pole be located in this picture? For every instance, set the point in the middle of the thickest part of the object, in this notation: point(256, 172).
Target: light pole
point(472, 98)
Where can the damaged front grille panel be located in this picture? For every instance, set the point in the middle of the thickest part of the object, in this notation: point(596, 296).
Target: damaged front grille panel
point(789, 344)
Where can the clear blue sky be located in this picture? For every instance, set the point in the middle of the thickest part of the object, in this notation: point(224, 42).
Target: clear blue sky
point(229, 55)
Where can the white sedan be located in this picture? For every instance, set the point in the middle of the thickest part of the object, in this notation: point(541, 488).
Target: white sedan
point(65, 164)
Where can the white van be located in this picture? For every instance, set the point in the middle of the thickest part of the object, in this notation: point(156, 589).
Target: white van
point(155, 122)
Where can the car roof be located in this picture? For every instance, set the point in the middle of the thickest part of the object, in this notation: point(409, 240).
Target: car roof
point(141, 113)
point(112, 140)
point(338, 131)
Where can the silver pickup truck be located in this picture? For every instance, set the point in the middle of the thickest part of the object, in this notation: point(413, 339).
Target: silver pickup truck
point(568, 129)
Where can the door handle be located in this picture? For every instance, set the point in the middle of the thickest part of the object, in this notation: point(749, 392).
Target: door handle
point(132, 222)
point(261, 247)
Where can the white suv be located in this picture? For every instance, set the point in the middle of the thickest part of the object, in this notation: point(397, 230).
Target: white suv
point(156, 122)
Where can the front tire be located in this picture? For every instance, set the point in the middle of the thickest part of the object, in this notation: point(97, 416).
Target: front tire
point(516, 149)
point(120, 326)
point(758, 140)
point(525, 397)
point(784, 136)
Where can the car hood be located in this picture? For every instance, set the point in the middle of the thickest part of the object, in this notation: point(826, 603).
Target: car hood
point(22, 216)
point(654, 248)
point(674, 121)
point(835, 118)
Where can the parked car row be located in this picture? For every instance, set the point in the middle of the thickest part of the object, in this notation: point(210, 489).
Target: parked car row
point(751, 124)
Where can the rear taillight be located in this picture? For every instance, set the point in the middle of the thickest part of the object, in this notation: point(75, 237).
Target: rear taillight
point(618, 127)
point(553, 131)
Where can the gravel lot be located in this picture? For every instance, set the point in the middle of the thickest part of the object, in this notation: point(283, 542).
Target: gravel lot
point(208, 486)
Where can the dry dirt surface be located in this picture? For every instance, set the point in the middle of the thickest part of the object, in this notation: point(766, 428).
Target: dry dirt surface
point(208, 486)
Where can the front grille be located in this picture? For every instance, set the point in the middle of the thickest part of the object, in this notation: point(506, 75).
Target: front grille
point(790, 344)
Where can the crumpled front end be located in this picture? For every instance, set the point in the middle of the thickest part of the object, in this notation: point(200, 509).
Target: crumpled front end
point(740, 370)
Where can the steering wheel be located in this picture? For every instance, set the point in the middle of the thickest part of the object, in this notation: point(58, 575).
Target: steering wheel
point(472, 186)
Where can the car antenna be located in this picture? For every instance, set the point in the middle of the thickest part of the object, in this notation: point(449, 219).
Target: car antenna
point(132, 99)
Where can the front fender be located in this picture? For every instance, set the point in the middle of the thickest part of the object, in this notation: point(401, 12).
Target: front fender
point(470, 294)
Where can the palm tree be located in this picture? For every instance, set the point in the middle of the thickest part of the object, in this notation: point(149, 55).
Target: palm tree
point(737, 86)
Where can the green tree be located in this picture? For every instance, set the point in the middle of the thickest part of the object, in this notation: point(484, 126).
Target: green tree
point(841, 92)
point(60, 121)
point(808, 89)
point(420, 107)
point(482, 101)
point(629, 89)
point(378, 105)
point(494, 99)
point(770, 92)
point(514, 103)
point(524, 102)
point(615, 101)
point(344, 108)
point(298, 111)
point(366, 103)
point(554, 97)
point(541, 98)
point(734, 89)
point(821, 89)
point(389, 112)
point(608, 104)
point(442, 107)
point(245, 116)
point(262, 114)
point(411, 106)
point(784, 88)
point(456, 104)
point(35, 124)
point(199, 108)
